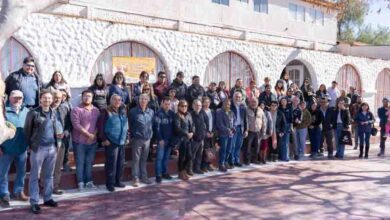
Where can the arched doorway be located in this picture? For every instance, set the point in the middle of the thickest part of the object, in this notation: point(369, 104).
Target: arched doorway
point(228, 67)
point(130, 49)
point(382, 87)
point(349, 76)
point(11, 57)
point(298, 72)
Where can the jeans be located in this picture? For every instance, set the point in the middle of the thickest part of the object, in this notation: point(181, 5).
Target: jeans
point(225, 149)
point(236, 146)
point(20, 164)
point(339, 147)
point(140, 153)
point(85, 156)
point(364, 139)
point(114, 165)
point(300, 141)
point(284, 146)
point(355, 131)
point(42, 161)
point(163, 153)
point(315, 135)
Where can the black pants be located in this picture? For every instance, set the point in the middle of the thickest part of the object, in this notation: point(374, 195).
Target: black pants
point(252, 147)
point(197, 154)
point(185, 154)
point(207, 144)
point(66, 142)
point(383, 139)
point(273, 152)
point(114, 165)
point(328, 136)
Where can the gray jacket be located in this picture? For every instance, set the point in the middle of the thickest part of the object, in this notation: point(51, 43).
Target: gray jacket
point(34, 127)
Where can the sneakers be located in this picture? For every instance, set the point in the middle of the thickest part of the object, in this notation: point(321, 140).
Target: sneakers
point(81, 186)
point(51, 203)
point(35, 209)
point(90, 185)
point(166, 176)
point(21, 197)
point(135, 183)
point(4, 201)
point(146, 181)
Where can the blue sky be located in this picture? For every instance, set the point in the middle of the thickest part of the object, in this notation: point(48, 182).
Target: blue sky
point(382, 18)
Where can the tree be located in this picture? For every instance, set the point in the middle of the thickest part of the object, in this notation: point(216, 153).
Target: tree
point(350, 18)
point(379, 36)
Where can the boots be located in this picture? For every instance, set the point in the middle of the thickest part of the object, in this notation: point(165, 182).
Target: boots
point(183, 175)
point(366, 152)
point(361, 151)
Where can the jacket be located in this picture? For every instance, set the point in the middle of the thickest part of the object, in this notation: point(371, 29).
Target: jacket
point(207, 120)
point(267, 99)
point(281, 122)
point(345, 118)
point(122, 92)
point(195, 92)
point(141, 123)
point(34, 127)
point(200, 126)
point(215, 101)
point(224, 122)
point(243, 116)
point(328, 121)
point(305, 119)
point(315, 118)
point(181, 89)
point(18, 144)
point(288, 113)
point(113, 126)
point(163, 125)
point(382, 116)
point(181, 128)
point(256, 120)
point(369, 117)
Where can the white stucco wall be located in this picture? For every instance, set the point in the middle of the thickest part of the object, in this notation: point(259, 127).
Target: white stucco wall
point(72, 45)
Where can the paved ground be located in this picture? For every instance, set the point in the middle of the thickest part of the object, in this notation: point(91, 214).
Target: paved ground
point(349, 189)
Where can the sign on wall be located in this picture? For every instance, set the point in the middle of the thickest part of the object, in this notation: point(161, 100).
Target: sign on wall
point(133, 66)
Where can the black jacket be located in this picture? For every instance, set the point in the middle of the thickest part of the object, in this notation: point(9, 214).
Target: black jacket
point(181, 89)
point(195, 92)
point(267, 99)
point(200, 126)
point(315, 118)
point(280, 122)
point(206, 118)
point(345, 117)
point(328, 121)
point(182, 126)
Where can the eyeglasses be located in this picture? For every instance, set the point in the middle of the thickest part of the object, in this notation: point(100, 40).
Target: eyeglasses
point(30, 65)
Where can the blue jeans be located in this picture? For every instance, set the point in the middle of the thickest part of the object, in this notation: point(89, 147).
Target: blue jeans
point(236, 146)
point(315, 135)
point(300, 141)
point(20, 164)
point(163, 153)
point(43, 160)
point(339, 147)
point(284, 147)
point(225, 149)
point(85, 156)
point(364, 139)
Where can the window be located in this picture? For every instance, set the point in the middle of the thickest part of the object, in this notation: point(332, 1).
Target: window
point(316, 16)
point(296, 12)
point(222, 2)
point(261, 6)
point(246, 1)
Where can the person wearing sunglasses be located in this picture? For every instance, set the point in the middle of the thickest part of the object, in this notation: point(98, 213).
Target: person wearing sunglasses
point(27, 81)
point(161, 86)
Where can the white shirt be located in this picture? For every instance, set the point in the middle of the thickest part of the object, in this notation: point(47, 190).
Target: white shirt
point(210, 117)
point(333, 94)
point(238, 116)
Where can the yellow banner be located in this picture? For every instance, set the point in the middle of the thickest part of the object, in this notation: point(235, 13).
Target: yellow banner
point(133, 66)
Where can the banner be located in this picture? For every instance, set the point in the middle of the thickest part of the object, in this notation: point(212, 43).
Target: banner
point(133, 66)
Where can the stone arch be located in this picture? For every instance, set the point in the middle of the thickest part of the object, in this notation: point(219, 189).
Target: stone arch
point(347, 76)
point(299, 69)
point(382, 87)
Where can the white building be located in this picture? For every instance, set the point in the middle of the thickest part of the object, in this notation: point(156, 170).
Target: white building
point(215, 39)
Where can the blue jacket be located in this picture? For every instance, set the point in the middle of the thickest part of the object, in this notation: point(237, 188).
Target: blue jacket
point(115, 126)
point(122, 92)
point(224, 122)
point(382, 116)
point(18, 144)
point(243, 116)
point(288, 113)
point(360, 117)
point(141, 123)
point(163, 125)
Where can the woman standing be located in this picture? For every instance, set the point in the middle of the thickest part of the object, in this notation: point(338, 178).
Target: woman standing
point(153, 100)
point(99, 90)
point(343, 120)
point(308, 92)
point(225, 128)
point(118, 87)
point(279, 89)
point(183, 130)
point(58, 82)
point(321, 92)
point(365, 120)
point(223, 92)
point(315, 130)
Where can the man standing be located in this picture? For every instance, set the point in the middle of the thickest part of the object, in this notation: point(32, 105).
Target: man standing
point(267, 97)
point(239, 87)
point(84, 120)
point(241, 129)
point(141, 125)
point(27, 81)
point(42, 132)
point(382, 123)
point(334, 93)
point(352, 95)
point(163, 129)
point(195, 91)
point(198, 138)
point(179, 85)
point(328, 118)
point(256, 129)
point(354, 109)
point(14, 150)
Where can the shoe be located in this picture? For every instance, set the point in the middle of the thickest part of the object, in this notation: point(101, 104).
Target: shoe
point(264, 162)
point(366, 156)
point(330, 157)
point(90, 185)
point(190, 173)
point(198, 172)
point(21, 197)
point(355, 148)
point(360, 155)
point(146, 181)
point(210, 169)
point(167, 176)
point(35, 209)
point(229, 166)
point(51, 203)
point(67, 168)
point(204, 170)
point(58, 192)
point(135, 183)
point(81, 186)
point(120, 185)
point(158, 179)
point(247, 163)
point(380, 154)
point(4, 202)
point(183, 175)
point(296, 157)
point(237, 164)
point(222, 169)
point(110, 188)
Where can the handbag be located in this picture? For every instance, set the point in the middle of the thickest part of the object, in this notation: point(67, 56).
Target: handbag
point(209, 155)
point(374, 131)
point(345, 138)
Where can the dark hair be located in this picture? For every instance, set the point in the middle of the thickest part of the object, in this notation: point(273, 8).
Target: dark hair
point(195, 77)
point(86, 91)
point(52, 82)
point(143, 73)
point(116, 75)
point(99, 75)
point(204, 98)
point(28, 59)
point(361, 105)
point(275, 102)
point(67, 95)
point(267, 86)
point(165, 99)
point(180, 73)
point(161, 73)
point(44, 91)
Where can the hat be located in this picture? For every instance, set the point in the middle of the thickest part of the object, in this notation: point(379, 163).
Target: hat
point(385, 99)
point(28, 60)
point(16, 93)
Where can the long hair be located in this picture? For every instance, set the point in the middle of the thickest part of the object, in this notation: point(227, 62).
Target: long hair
point(150, 87)
point(361, 105)
point(52, 82)
point(123, 77)
point(95, 81)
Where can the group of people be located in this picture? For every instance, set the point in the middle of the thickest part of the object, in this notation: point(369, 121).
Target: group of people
point(265, 123)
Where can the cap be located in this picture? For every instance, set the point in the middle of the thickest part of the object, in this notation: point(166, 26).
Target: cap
point(16, 93)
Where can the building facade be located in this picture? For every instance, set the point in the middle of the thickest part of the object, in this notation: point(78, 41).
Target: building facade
point(215, 39)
